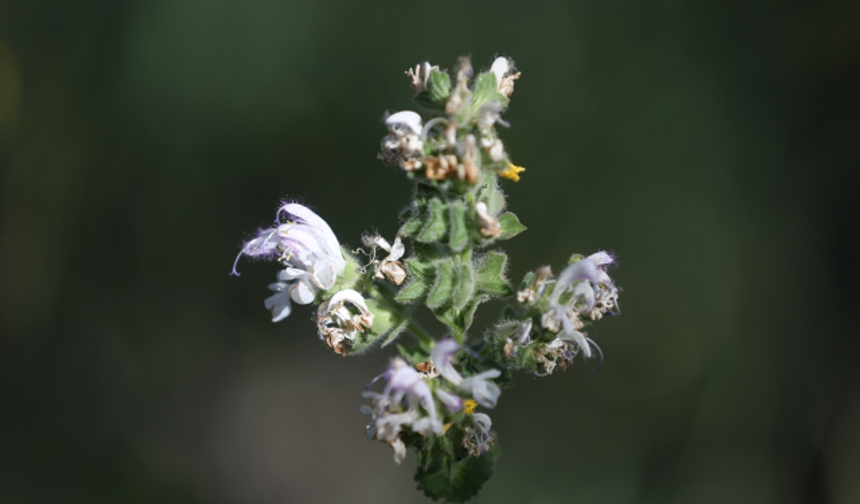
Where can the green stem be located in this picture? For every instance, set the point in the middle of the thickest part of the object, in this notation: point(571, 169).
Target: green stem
point(420, 333)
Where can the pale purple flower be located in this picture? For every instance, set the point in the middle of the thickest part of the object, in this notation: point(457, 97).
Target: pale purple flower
point(308, 248)
point(593, 293)
point(389, 418)
point(479, 386)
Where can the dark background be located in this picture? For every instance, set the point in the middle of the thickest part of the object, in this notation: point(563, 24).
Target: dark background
point(712, 146)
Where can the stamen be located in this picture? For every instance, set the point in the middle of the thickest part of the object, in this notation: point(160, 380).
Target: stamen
point(596, 347)
point(234, 272)
point(367, 387)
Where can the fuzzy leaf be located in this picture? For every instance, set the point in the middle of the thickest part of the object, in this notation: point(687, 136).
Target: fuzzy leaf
point(490, 277)
point(412, 225)
point(486, 90)
point(460, 320)
point(510, 225)
point(443, 285)
point(459, 232)
point(421, 275)
point(437, 93)
point(441, 476)
point(435, 224)
point(492, 195)
point(465, 285)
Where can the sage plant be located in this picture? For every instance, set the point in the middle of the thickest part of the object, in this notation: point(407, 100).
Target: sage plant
point(444, 258)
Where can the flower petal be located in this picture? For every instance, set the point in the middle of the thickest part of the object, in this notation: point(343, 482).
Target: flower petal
point(408, 118)
point(279, 304)
point(302, 292)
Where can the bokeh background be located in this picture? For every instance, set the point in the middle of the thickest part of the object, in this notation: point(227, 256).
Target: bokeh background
point(712, 146)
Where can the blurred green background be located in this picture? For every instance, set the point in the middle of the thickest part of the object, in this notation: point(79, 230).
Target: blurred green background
point(712, 146)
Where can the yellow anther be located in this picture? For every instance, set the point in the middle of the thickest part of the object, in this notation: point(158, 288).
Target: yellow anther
point(513, 172)
point(286, 257)
point(446, 427)
point(469, 406)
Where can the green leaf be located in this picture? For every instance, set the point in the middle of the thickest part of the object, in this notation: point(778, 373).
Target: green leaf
point(510, 225)
point(465, 285)
point(421, 275)
point(491, 274)
point(441, 476)
point(460, 320)
point(443, 285)
point(412, 225)
point(459, 232)
point(437, 93)
point(436, 223)
point(486, 90)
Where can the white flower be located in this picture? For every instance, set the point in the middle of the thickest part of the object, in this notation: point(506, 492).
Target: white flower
point(485, 392)
point(403, 145)
point(310, 251)
point(405, 118)
point(338, 323)
point(389, 267)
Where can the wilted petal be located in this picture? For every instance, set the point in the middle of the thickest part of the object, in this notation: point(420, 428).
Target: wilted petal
point(399, 450)
point(397, 250)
